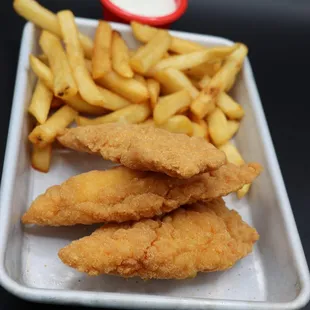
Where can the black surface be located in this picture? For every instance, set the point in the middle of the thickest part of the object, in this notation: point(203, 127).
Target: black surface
point(278, 35)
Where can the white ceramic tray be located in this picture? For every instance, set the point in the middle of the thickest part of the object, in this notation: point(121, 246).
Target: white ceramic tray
point(274, 276)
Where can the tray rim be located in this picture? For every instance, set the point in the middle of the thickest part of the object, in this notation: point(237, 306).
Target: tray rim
point(122, 300)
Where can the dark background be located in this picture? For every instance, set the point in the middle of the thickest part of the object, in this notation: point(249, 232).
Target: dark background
point(278, 35)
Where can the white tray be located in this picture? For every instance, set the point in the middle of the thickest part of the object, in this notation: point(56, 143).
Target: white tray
point(274, 276)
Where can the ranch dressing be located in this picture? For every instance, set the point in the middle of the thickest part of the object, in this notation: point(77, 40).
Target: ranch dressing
point(149, 8)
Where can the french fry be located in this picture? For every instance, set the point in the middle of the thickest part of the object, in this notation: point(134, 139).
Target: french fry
point(87, 87)
point(40, 102)
point(204, 82)
point(209, 68)
point(225, 77)
point(101, 61)
point(218, 129)
point(232, 127)
point(148, 55)
point(166, 55)
point(195, 82)
point(41, 157)
point(200, 122)
point(233, 156)
point(133, 114)
point(178, 124)
point(113, 101)
point(46, 133)
point(88, 64)
point(56, 103)
point(76, 102)
point(175, 80)
point(131, 52)
point(45, 19)
point(187, 61)
point(120, 56)
point(170, 105)
point(149, 122)
point(229, 106)
point(154, 89)
point(199, 131)
point(43, 58)
point(203, 105)
point(127, 88)
point(243, 191)
point(81, 106)
point(140, 78)
point(64, 84)
point(42, 71)
point(145, 33)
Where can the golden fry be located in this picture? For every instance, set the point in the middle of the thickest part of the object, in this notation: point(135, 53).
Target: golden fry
point(243, 190)
point(87, 87)
point(187, 61)
point(199, 131)
point(224, 78)
point(145, 33)
point(232, 127)
point(113, 101)
point(149, 122)
point(178, 124)
point(43, 58)
point(194, 81)
point(154, 89)
point(130, 89)
point(76, 102)
point(218, 129)
point(204, 82)
point(229, 106)
point(170, 105)
point(40, 102)
point(120, 56)
point(133, 114)
point(41, 157)
point(56, 103)
point(148, 55)
point(174, 80)
point(209, 68)
point(64, 84)
point(140, 79)
point(203, 105)
point(45, 19)
point(42, 71)
point(233, 156)
point(101, 61)
point(46, 133)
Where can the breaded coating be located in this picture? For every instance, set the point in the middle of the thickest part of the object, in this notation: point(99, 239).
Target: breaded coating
point(202, 238)
point(121, 194)
point(146, 148)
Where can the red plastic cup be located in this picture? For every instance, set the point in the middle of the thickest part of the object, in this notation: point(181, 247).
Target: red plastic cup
point(113, 13)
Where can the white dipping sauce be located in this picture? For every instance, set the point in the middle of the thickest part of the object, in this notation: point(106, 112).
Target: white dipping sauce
point(150, 8)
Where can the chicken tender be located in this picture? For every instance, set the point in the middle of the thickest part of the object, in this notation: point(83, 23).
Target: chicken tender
point(202, 238)
point(146, 148)
point(121, 194)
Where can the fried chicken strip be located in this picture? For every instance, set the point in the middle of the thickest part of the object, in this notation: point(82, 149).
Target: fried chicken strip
point(205, 237)
point(146, 148)
point(121, 194)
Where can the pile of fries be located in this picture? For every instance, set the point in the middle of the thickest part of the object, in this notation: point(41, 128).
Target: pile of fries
point(167, 82)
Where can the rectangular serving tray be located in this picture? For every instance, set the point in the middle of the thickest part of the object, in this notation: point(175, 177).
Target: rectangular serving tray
point(274, 276)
